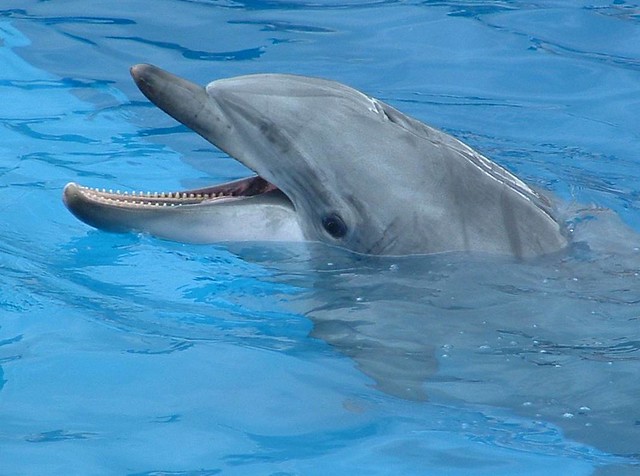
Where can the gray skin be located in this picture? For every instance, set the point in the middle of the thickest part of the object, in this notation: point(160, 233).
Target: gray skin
point(345, 169)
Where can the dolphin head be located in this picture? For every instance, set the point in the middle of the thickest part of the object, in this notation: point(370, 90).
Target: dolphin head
point(303, 135)
point(353, 171)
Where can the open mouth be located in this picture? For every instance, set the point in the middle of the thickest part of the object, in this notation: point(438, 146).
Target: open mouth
point(182, 100)
point(204, 215)
point(236, 190)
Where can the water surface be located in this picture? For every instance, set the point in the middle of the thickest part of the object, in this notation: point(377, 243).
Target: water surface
point(125, 354)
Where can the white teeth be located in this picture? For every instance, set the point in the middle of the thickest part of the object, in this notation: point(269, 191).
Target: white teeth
point(135, 198)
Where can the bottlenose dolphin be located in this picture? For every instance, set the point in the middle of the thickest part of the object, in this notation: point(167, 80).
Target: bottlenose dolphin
point(333, 165)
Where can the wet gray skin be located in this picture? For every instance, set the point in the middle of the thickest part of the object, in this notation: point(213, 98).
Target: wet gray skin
point(333, 165)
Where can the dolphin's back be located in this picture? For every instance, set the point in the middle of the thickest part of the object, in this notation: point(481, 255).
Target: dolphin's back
point(487, 208)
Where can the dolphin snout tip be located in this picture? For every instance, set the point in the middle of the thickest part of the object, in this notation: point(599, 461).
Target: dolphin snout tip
point(148, 78)
point(70, 194)
point(142, 72)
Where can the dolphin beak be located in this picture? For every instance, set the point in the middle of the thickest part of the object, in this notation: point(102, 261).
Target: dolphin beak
point(203, 215)
point(183, 100)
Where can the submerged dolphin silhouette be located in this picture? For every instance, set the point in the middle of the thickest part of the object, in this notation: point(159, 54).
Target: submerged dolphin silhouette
point(334, 166)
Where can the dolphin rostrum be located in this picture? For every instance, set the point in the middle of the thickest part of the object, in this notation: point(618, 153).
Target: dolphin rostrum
point(333, 165)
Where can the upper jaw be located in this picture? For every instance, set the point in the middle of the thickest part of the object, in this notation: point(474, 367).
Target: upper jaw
point(181, 99)
point(186, 102)
point(207, 111)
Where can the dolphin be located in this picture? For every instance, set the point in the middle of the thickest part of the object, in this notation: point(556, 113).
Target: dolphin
point(332, 165)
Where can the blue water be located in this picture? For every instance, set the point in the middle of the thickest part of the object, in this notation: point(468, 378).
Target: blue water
point(123, 354)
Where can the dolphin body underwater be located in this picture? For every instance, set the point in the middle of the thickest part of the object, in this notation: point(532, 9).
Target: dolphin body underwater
point(334, 166)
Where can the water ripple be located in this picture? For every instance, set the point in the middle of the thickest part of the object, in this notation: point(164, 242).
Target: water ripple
point(193, 472)
point(293, 4)
point(23, 15)
point(281, 26)
point(239, 55)
point(59, 435)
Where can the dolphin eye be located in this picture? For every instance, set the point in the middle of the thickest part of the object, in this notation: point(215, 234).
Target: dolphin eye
point(334, 225)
